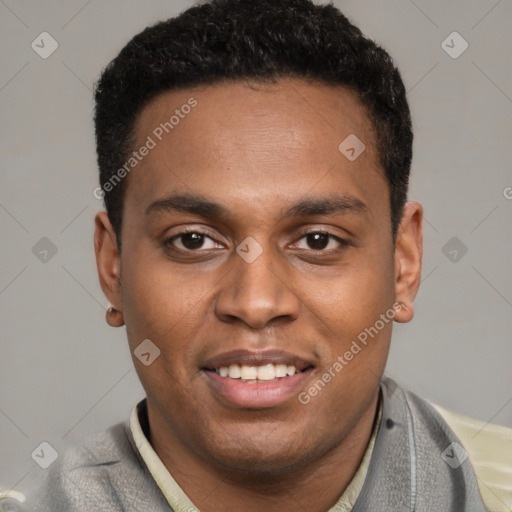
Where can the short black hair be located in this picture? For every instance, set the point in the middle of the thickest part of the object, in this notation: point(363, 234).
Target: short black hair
point(263, 40)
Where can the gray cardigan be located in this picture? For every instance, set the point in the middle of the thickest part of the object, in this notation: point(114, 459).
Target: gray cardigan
point(412, 468)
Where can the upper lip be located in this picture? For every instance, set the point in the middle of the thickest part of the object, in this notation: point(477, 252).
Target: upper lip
point(256, 358)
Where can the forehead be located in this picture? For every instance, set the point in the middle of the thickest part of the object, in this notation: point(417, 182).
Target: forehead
point(255, 141)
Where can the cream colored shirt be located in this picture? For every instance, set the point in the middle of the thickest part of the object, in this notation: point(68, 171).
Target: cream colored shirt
point(489, 449)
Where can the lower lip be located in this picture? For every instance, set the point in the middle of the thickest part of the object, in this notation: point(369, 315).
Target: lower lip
point(257, 395)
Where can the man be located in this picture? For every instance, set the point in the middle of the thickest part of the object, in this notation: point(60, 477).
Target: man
point(254, 159)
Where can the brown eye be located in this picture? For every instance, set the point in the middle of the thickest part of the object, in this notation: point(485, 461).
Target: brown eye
point(318, 241)
point(192, 241)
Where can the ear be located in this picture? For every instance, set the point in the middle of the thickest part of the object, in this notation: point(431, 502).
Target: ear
point(408, 258)
point(108, 260)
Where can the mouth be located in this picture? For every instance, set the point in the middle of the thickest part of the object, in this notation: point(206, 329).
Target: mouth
point(257, 374)
point(256, 380)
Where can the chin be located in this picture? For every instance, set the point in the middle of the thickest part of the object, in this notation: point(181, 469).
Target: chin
point(260, 459)
point(262, 465)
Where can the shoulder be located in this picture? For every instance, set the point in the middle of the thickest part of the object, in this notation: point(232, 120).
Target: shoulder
point(103, 473)
point(489, 449)
point(103, 450)
point(487, 446)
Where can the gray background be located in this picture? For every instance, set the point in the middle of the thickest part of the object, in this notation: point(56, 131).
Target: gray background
point(65, 374)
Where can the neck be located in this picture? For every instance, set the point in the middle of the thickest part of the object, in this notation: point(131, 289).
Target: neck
point(315, 487)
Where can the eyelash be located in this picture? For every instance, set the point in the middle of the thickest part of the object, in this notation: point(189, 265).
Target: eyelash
point(168, 243)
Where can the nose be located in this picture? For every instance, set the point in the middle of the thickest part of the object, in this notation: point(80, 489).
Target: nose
point(257, 293)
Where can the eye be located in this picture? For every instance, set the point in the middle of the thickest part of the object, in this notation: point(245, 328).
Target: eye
point(192, 241)
point(320, 241)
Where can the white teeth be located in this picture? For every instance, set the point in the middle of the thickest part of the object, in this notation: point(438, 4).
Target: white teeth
point(253, 374)
point(281, 370)
point(290, 370)
point(249, 372)
point(266, 372)
point(234, 371)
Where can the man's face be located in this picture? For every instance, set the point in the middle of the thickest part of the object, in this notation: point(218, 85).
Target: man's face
point(260, 163)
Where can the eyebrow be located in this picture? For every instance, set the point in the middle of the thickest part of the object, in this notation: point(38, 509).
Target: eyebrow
point(334, 205)
point(188, 203)
point(199, 205)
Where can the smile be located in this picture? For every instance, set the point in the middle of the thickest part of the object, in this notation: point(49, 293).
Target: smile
point(257, 374)
point(252, 392)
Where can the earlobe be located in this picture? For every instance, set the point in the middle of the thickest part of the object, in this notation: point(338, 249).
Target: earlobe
point(114, 317)
point(408, 259)
point(108, 263)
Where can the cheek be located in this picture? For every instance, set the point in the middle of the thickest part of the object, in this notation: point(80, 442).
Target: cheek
point(347, 311)
point(165, 307)
point(355, 296)
point(159, 296)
